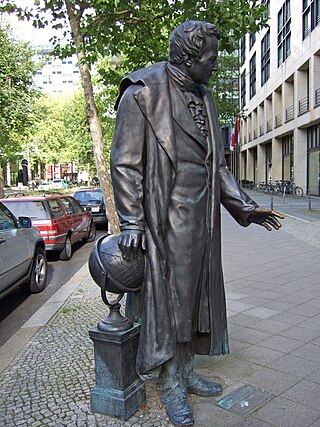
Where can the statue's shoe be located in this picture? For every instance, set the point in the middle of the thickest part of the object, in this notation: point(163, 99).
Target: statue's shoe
point(202, 387)
point(179, 412)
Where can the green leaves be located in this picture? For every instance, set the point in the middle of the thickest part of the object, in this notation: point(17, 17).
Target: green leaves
point(17, 95)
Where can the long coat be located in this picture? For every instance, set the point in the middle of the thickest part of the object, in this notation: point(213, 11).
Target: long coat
point(144, 167)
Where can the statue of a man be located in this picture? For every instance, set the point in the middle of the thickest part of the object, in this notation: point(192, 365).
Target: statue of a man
point(170, 177)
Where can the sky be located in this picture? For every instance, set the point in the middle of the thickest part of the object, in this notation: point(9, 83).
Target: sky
point(25, 31)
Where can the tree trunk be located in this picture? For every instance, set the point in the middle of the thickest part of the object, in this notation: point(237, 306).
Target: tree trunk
point(93, 118)
point(1, 183)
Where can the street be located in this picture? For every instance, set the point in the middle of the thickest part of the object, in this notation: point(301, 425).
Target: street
point(18, 307)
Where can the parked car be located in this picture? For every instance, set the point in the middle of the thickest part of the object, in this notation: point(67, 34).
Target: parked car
point(45, 186)
point(23, 259)
point(93, 198)
point(61, 220)
point(58, 184)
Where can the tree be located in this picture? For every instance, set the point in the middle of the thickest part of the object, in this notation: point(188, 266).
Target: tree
point(137, 31)
point(17, 96)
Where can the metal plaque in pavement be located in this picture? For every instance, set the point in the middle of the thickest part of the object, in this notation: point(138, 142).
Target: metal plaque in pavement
point(244, 400)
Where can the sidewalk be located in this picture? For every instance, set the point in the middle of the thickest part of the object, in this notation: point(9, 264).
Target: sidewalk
point(271, 377)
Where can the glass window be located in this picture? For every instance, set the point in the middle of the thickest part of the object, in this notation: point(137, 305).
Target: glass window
point(76, 206)
point(35, 209)
point(310, 16)
point(243, 49)
point(68, 205)
point(252, 40)
point(7, 221)
point(284, 32)
point(265, 58)
point(243, 89)
point(253, 77)
point(55, 208)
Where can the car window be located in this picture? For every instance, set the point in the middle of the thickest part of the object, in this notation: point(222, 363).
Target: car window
point(55, 208)
point(87, 196)
point(35, 209)
point(68, 205)
point(6, 220)
point(77, 207)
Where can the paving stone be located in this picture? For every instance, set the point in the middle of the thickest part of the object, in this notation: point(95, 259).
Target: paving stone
point(259, 355)
point(49, 383)
point(282, 412)
point(280, 343)
point(295, 366)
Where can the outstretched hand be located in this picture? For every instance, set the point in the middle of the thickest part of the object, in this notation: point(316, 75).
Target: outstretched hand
point(266, 218)
point(129, 243)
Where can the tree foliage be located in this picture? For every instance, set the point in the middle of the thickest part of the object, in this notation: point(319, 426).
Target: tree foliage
point(17, 96)
point(136, 31)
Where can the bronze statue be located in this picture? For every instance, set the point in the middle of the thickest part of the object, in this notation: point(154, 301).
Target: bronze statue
point(170, 177)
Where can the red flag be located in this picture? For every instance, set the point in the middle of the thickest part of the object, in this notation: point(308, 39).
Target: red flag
point(232, 142)
point(235, 137)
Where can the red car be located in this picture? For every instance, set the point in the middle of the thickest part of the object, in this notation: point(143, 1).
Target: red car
point(61, 220)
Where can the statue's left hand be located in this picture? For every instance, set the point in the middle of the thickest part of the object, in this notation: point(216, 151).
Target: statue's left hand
point(266, 218)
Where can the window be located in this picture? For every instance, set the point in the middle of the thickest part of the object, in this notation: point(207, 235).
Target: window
point(267, 6)
point(284, 32)
point(6, 220)
point(252, 39)
point(67, 204)
point(76, 206)
point(55, 208)
point(32, 208)
point(265, 58)
point(253, 76)
point(310, 16)
point(243, 90)
point(313, 137)
point(242, 49)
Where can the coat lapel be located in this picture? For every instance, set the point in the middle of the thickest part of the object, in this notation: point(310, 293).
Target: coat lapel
point(157, 111)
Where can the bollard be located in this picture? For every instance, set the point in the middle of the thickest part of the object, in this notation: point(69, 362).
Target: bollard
point(271, 200)
point(284, 193)
point(309, 200)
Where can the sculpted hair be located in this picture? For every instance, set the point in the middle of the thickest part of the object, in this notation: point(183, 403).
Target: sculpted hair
point(189, 39)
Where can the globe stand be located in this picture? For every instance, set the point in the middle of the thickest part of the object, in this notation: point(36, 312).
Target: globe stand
point(114, 322)
point(119, 391)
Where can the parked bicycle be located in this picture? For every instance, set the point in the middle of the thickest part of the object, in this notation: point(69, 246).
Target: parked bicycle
point(292, 189)
point(280, 188)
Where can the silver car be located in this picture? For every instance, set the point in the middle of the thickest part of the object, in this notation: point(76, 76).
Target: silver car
point(23, 259)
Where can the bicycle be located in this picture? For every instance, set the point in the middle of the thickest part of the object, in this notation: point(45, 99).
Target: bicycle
point(292, 189)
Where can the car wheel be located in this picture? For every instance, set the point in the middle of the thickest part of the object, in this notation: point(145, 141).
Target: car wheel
point(66, 253)
point(92, 233)
point(39, 273)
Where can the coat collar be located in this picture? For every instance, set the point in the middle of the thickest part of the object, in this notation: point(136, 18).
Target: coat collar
point(153, 102)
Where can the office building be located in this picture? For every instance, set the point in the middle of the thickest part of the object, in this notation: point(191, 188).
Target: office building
point(280, 97)
point(57, 75)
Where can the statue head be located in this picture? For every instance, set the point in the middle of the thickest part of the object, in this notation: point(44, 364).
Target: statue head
point(193, 47)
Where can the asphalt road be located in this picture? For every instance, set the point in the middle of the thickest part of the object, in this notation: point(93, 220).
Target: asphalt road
point(17, 307)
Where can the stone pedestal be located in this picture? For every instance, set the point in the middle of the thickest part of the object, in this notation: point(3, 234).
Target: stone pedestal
point(118, 391)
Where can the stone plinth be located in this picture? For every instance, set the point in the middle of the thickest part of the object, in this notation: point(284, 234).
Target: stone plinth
point(118, 391)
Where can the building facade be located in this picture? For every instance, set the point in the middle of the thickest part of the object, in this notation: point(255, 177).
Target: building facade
point(280, 97)
point(57, 75)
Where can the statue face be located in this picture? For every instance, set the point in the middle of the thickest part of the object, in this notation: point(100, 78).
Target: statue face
point(201, 71)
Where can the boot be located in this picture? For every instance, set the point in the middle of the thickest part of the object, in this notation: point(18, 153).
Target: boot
point(173, 389)
point(196, 384)
point(202, 387)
